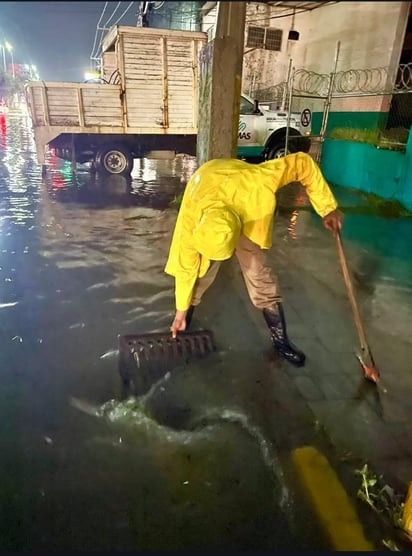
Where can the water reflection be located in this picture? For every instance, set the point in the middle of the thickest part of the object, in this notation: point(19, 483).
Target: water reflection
point(292, 224)
point(181, 167)
point(19, 182)
point(380, 260)
point(153, 183)
point(3, 131)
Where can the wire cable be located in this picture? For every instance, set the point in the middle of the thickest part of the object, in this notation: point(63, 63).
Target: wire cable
point(97, 54)
point(97, 30)
point(278, 16)
point(114, 11)
point(124, 13)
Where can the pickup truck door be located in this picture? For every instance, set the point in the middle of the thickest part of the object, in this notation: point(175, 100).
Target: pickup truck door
point(252, 125)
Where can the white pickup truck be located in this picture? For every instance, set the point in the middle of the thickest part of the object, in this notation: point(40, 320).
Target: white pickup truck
point(262, 132)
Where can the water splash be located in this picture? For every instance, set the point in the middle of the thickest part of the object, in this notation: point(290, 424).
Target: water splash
point(134, 412)
point(5, 305)
point(110, 354)
point(216, 416)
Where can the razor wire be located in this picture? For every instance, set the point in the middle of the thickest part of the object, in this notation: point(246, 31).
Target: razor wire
point(273, 93)
point(379, 80)
point(371, 80)
point(310, 82)
point(404, 78)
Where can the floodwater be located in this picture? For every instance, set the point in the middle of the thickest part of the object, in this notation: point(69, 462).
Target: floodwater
point(195, 462)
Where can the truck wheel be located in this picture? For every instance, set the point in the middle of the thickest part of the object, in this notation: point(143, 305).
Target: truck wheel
point(114, 159)
point(277, 151)
point(296, 143)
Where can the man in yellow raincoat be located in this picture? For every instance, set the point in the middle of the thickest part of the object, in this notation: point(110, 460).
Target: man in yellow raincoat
point(228, 207)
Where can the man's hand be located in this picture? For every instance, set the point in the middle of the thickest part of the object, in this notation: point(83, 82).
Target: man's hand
point(179, 324)
point(333, 221)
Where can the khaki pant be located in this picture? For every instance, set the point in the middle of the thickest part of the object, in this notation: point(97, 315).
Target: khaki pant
point(259, 278)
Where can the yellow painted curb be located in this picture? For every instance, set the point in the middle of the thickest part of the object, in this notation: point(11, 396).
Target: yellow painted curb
point(332, 505)
point(407, 512)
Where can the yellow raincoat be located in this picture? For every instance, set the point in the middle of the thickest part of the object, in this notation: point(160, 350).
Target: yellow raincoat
point(249, 191)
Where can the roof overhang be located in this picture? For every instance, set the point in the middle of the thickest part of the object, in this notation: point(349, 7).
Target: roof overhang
point(207, 6)
point(298, 6)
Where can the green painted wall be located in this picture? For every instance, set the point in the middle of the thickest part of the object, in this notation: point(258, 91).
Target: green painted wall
point(361, 120)
point(382, 172)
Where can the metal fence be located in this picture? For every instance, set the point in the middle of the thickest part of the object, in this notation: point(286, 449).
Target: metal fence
point(373, 91)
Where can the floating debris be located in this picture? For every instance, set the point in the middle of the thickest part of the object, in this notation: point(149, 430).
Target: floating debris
point(97, 286)
point(4, 305)
point(110, 354)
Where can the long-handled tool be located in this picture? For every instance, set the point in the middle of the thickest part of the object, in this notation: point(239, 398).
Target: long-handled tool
point(365, 357)
point(146, 358)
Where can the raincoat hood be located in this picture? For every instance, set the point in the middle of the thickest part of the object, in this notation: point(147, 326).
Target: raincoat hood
point(217, 233)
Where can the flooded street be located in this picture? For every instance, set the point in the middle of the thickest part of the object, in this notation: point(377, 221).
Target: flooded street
point(80, 265)
point(199, 461)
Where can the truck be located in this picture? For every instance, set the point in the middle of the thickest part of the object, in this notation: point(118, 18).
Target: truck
point(144, 105)
point(262, 130)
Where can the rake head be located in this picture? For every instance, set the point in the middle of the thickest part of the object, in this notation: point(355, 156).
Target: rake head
point(370, 372)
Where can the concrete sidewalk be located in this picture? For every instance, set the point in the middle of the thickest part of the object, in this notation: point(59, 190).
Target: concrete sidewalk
point(357, 415)
point(329, 394)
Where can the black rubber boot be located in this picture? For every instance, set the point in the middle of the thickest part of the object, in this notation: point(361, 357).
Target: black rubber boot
point(275, 319)
point(189, 316)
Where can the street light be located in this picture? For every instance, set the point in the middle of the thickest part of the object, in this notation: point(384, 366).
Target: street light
point(10, 50)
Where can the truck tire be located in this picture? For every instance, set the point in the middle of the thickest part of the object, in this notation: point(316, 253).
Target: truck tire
point(296, 143)
point(114, 159)
point(278, 150)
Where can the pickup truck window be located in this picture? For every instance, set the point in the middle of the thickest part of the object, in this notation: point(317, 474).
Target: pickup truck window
point(246, 107)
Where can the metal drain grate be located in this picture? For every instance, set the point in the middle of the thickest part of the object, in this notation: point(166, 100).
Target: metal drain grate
point(145, 358)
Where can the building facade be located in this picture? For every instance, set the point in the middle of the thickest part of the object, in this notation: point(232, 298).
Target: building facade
point(370, 40)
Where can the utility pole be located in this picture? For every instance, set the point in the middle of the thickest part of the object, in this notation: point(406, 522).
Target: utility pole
point(4, 57)
point(10, 50)
point(220, 85)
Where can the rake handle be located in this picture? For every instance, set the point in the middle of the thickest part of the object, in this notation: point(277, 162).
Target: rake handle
point(351, 294)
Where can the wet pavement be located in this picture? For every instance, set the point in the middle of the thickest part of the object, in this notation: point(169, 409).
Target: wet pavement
point(206, 459)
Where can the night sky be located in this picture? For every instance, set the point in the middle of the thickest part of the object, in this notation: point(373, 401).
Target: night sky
point(58, 37)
